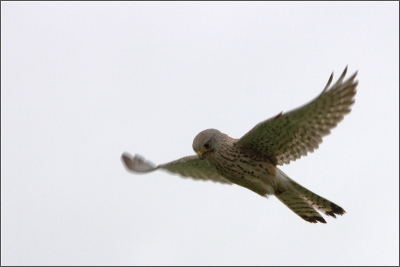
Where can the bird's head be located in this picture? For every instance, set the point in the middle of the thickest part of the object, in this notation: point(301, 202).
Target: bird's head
point(206, 143)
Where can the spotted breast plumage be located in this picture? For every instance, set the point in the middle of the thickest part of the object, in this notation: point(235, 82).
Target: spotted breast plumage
point(251, 161)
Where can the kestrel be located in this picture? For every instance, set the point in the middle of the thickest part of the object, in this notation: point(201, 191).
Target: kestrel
point(251, 161)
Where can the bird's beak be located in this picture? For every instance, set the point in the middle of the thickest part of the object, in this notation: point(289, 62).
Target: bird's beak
point(200, 154)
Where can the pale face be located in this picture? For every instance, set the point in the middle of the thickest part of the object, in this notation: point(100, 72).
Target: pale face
point(204, 143)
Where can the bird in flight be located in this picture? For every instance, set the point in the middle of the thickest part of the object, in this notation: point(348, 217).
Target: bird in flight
point(251, 161)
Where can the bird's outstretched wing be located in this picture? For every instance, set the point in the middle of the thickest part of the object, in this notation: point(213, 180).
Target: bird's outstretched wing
point(289, 136)
point(190, 166)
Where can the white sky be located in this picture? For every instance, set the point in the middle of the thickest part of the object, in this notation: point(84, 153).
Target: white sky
point(83, 82)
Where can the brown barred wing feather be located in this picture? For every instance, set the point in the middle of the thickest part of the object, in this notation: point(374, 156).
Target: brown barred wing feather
point(190, 166)
point(286, 137)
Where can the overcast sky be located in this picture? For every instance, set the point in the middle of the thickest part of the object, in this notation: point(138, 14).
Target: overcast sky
point(83, 82)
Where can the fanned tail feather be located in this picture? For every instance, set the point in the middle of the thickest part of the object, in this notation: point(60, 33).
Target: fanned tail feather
point(304, 202)
point(299, 206)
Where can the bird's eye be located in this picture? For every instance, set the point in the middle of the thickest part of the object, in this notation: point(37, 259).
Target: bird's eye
point(207, 145)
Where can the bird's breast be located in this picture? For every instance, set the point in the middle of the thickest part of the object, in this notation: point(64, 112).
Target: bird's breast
point(253, 172)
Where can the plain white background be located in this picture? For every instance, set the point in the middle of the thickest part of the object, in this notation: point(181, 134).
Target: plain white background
point(83, 82)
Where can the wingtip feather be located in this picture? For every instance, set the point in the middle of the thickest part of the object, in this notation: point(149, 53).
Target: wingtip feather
point(329, 83)
point(137, 163)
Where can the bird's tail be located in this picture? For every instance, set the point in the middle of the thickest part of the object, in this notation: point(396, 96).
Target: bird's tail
point(304, 202)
